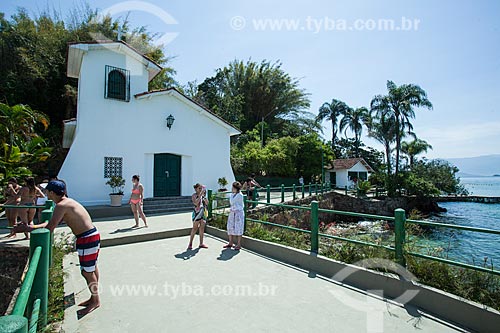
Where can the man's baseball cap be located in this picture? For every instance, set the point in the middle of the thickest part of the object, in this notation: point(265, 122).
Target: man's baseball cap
point(56, 186)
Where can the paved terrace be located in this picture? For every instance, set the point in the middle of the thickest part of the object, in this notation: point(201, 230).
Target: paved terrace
point(158, 286)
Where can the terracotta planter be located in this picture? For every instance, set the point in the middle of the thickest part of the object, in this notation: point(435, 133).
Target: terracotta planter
point(116, 200)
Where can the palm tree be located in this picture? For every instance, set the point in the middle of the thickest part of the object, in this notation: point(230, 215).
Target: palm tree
point(383, 129)
point(400, 103)
point(354, 119)
point(332, 111)
point(414, 148)
point(17, 125)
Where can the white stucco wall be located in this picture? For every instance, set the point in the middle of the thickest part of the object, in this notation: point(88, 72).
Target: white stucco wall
point(342, 178)
point(135, 131)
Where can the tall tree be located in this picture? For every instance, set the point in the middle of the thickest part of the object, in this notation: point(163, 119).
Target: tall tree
point(414, 148)
point(383, 129)
point(400, 103)
point(333, 111)
point(247, 93)
point(354, 120)
point(33, 58)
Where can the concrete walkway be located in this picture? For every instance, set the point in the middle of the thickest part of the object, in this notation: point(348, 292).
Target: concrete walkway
point(116, 228)
point(158, 286)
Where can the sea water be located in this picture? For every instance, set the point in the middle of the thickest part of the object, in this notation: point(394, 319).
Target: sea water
point(482, 186)
point(467, 246)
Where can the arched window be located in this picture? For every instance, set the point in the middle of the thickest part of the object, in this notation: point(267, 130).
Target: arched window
point(117, 83)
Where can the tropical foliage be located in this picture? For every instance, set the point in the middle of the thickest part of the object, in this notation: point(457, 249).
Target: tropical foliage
point(414, 148)
point(355, 120)
point(441, 174)
point(33, 60)
point(21, 146)
point(389, 121)
point(333, 111)
point(286, 156)
point(248, 93)
point(399, 104)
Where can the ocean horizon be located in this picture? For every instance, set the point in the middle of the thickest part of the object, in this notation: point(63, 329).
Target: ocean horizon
point(482, 186)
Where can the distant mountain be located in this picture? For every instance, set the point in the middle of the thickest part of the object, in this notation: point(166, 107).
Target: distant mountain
point(480, 166)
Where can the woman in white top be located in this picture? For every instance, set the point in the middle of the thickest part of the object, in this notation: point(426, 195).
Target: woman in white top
point(236, 219)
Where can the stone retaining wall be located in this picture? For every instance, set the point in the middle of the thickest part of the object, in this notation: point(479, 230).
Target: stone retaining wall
point(337, 201)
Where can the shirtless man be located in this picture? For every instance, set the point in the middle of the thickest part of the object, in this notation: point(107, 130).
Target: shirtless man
point(87, 237)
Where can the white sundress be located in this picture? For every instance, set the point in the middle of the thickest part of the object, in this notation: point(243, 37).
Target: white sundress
point(236, 218)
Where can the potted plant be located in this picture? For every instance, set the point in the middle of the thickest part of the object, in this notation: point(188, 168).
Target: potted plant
point(222, 184)
point(116, 183)
point(363, 186)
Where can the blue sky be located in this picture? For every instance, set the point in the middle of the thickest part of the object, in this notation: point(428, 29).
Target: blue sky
point(454, 54)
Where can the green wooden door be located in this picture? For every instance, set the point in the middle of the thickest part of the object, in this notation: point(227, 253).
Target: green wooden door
point(167, 175)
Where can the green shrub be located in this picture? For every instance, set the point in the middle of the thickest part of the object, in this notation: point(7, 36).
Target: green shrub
point(55, 312)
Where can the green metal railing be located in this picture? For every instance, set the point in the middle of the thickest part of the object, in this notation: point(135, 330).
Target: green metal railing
point(32, 300)
point(282, 192)
point(399, 220)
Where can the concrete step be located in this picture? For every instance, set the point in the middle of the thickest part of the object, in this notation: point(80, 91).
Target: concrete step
point(166, 211)
point(167, 199)
point(167, 205)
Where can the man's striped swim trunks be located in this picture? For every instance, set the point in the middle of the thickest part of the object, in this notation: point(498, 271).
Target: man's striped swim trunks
point(88, 245)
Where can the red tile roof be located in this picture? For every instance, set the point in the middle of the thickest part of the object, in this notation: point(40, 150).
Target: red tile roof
point(347, 163)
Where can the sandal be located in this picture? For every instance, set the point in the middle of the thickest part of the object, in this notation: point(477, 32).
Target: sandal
point(190, 247)
point(203, 246)
point(227, 246)
point(237, 248)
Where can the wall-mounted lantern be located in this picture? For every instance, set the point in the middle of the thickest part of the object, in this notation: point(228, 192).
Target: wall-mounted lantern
point(170, 121)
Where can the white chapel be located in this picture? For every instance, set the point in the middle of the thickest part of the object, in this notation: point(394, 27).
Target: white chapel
point(123, 129)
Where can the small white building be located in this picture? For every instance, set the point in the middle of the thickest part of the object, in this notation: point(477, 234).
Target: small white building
point(122, 129)
point(345, 172)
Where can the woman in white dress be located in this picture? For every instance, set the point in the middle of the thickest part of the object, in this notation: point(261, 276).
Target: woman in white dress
point(236, 219)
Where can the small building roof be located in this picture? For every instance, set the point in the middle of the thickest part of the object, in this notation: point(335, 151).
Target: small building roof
point(76, 50)
point(348, 163)
point(200, 107)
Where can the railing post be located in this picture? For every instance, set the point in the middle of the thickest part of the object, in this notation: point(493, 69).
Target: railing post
point(322, 187)
point(314, 227)
point(294, 192)
point(13, 324)
point(316, 188)
point(399, 235)
point(310, 189)
point(210, 203)
point(46, 216)
point(303, 190)
point(346, 190)
point(282, 193)
point(376, 191)
point(268, 193)
point(33, 322)
point(40, 289)
point(255, 197)
point(245, 209)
